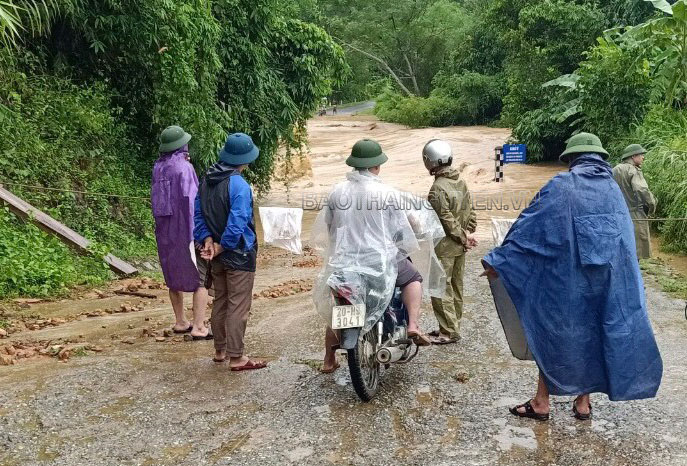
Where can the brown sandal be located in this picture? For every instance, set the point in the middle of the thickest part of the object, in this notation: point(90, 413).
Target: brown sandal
point(332, 370)
point(419, 339)
point(250, 365)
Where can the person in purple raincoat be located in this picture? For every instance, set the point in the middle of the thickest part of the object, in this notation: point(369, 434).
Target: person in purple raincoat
point(174, 189)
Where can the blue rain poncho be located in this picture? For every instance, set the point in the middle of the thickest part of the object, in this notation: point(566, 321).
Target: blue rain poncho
point(570, 267)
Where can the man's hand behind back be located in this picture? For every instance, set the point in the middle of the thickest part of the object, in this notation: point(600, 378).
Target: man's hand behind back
point(208, 251)
point(471, 242)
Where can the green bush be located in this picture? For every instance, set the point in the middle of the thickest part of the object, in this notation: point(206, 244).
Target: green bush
point(468, 99)
point(544, 136)
point(36, 264)
point(62, 136)
point(615, 90)
point(550, 40)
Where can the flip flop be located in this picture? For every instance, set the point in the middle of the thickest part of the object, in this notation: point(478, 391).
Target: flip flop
point(445, 340)
point(434, 333)
point(219, 360)
point(332, 370)
point(419, 339)
point(579, 415)
point(209, 336)
point(529, 412)
point(190, 327)
point(250, 365)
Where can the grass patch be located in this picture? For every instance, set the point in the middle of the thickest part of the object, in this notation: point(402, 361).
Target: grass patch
point(80, 351)
point(670, 281)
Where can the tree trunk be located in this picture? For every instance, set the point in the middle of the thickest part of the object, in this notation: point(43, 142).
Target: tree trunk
point(411, 73)
point(384, 64)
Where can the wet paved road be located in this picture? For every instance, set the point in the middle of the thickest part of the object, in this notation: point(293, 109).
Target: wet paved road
point(152, 403)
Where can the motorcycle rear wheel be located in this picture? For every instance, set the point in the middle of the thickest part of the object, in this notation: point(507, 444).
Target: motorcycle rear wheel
point(364, 367)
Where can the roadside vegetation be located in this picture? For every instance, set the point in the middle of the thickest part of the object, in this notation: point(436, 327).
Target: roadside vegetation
point(86, 86)
point(671, 282)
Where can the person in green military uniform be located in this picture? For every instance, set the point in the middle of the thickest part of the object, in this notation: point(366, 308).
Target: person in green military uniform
point(450, 198)
point(641, 202)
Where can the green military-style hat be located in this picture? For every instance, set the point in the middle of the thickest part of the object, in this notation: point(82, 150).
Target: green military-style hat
point(583, 143)
point(632, 150)
point(366, 153)
point(173, 138)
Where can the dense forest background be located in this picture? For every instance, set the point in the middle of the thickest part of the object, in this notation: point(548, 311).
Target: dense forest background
point(545, 68)
point(87, 85)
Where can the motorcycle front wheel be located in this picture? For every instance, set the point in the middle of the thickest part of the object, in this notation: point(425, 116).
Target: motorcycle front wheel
point(364, 367)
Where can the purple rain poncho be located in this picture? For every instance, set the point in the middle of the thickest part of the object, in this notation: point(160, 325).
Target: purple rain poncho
point(174, 188)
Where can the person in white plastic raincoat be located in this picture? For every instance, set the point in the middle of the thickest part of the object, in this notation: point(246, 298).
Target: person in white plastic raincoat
point(367, 232)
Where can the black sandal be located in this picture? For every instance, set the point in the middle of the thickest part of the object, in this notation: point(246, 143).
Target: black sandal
point(188, 330)
point(579, 415)
point(529, 412)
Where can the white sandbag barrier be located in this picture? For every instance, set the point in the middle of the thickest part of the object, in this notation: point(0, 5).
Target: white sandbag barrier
point(282, 227)
point(499, 229)
point(508, 315)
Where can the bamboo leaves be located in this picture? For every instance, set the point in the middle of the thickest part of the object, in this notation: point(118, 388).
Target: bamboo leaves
point(17, 17)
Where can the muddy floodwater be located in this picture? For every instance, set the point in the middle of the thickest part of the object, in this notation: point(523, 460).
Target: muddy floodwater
point(127, 394)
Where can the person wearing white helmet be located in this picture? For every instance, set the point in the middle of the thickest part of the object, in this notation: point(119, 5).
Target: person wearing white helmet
point(450, 198)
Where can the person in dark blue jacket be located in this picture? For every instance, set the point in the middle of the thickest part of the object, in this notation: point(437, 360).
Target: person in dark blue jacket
point(225, 226)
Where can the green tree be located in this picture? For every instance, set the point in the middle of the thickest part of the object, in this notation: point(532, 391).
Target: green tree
point(407, 39)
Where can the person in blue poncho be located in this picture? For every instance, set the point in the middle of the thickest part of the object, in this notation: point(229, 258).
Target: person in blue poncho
point(569, 265)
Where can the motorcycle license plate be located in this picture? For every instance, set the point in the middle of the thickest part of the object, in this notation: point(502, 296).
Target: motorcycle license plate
point(350, 316)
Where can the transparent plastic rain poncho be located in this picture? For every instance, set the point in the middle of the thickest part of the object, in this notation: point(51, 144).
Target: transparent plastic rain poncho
point(362, 232)
point(281, 227)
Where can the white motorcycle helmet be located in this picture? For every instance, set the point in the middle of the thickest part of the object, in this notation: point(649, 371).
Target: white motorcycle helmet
point(436, 154)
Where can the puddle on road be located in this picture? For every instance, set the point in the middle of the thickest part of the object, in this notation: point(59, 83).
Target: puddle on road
point(452, 435)
point(299, 454)
point(171, 455)
point(424, 395)
point(118, 409)
point(403, 435)
point(229, 447)
point(513, 436)
point(46, 454)
point(236, 414)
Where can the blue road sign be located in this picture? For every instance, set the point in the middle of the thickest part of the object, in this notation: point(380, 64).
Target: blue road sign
point(514, 153)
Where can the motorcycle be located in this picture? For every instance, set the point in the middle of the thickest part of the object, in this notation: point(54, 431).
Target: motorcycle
point(384, 344)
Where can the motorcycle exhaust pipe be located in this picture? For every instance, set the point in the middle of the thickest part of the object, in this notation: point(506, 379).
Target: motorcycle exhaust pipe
point(390, 354)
